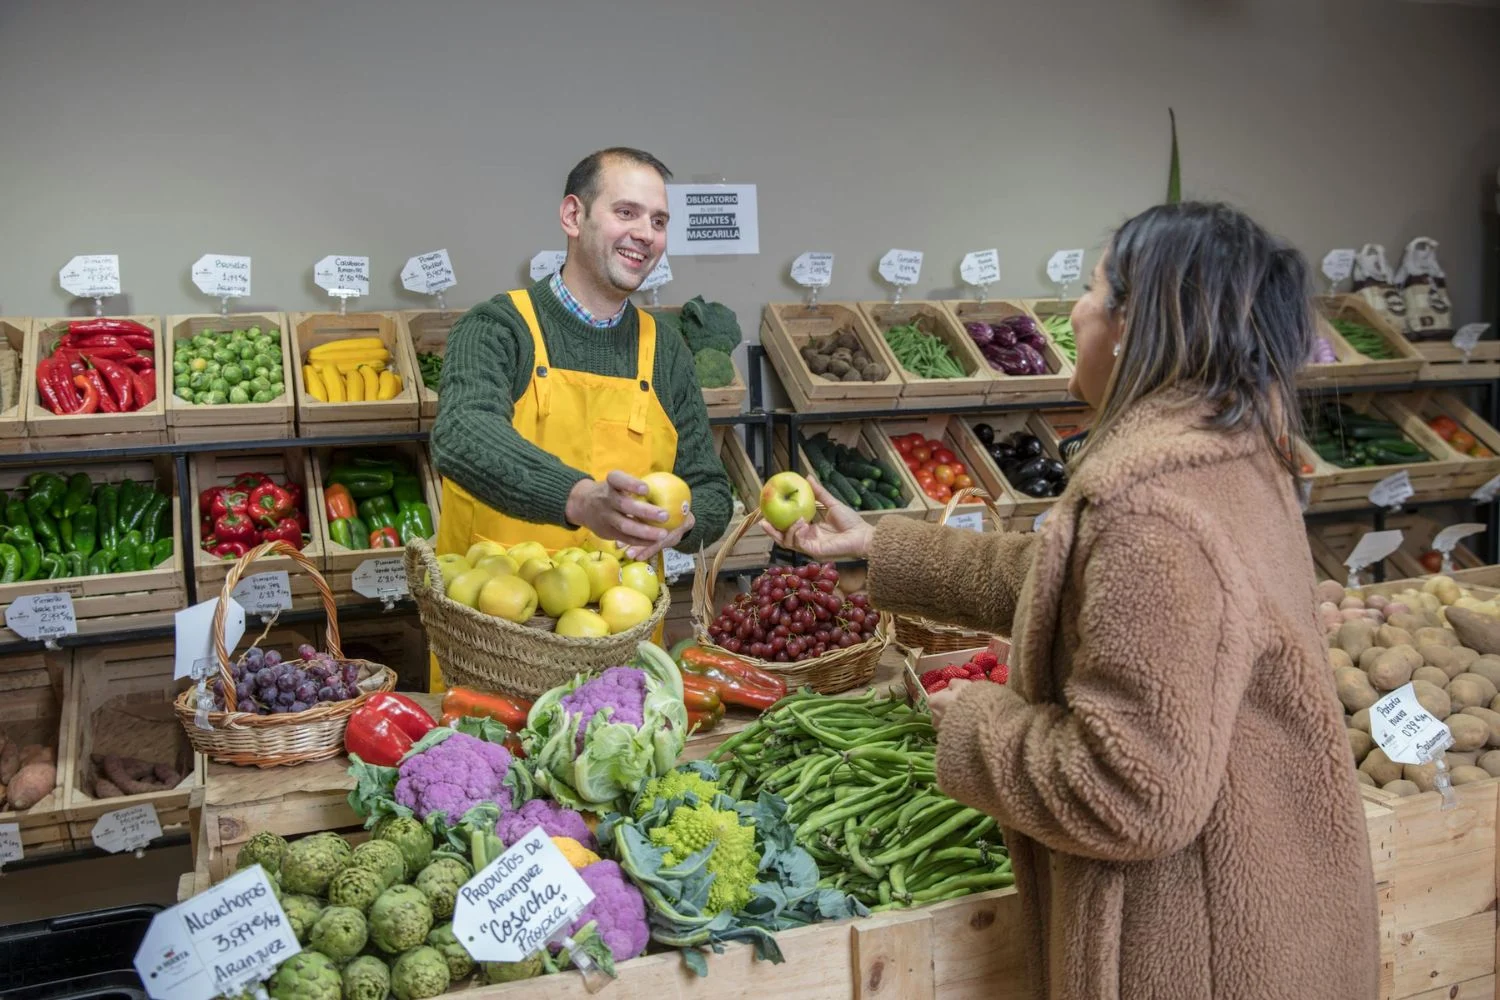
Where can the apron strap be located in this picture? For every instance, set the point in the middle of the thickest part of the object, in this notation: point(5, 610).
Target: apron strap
point(521, 299)
point(645, 365)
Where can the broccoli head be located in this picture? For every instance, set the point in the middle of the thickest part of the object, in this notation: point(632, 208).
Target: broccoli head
point(709, 324)
point(714, 367)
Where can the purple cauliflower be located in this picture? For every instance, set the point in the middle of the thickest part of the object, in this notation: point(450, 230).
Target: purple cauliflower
point(618, 909)
point(454, 776)
point(622, 689)
point(555, 821)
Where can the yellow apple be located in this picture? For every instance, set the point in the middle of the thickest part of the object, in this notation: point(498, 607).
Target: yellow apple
point(533, 568)
point(641, 576)
point(603, 572)
point(527, 550)
point(452, 566)
point(582, 623)
point(498, 564)
point(593, 543)
point(623, 608)
point(508, 597)
point(570, 555)
point(785, 498)
point(483, 547)
point(671, 494)
point(562, 588)
point(465, 587)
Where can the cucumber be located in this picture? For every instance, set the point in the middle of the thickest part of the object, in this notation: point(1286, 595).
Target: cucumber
point(873, 500)
point(889, 490)
point(843, 489)
point(813, 449)
point(863, 469)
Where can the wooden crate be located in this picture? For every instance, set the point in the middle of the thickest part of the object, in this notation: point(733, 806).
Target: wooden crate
point(1404, 367)
point(956, 435)
point(868, 440)
point(427, 331)
point(13, 417)
point(119, 701)
point(1334, 488)
point(725, 401)
point(1442, 362)
point(1049, 388)
point(190, 423)
point(48, 431)
point(340, 563)
point(1430, 404)
point(787, 327)
point(753, 550)
point(219, 469)
point(32, 700)
point(1024, 509)
point(115, 600)
point(972, 389)
point(1339, 539)
point(372, 416)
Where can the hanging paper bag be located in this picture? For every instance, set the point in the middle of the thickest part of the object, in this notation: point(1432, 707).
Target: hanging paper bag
point(1424, 288)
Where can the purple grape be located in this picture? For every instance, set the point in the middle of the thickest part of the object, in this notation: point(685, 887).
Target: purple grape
point(351, 674)
point(266, 693)
point(273, 657)
point(285, 697)
point(298, 706)
point(244, 691)
point(287, 682)
point(237, 671)
point(306, 652)
point(254, 656)
point(306, 692)
point(325, 693)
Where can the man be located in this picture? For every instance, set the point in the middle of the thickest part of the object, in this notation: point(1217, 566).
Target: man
point(558, 398)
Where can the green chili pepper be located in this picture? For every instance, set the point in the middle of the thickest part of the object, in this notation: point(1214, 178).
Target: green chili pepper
point(129, 491)
point(99, 563)
point(52, 567)
point(80, 487)
point(108, 502)
point(85, 530)
point(151, 518)
point(46, 531)
point(132, 519)
point(65, 532)
point(378, 512)
point(15, 514)
point(164, 521)
point(74, 564)
point(414, 521)
point(31, 557)
point(10, 563)
point(125, 556)
point(43, 490)
point(161, 551)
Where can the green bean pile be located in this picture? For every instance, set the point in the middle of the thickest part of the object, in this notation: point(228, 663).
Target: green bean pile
point(922, 353)
point(1059, 327)
point(858, 776)
point(1364, 340)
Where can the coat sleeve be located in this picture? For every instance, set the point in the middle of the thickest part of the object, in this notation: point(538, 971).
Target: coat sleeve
point(1129, 767)
point(949, 574)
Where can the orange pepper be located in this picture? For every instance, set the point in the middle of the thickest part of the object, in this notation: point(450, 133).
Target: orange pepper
point(338, 502)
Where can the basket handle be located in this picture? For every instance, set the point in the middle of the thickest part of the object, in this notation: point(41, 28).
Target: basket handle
point(420, 561)
point(959, 496)
point(331, 632)
point(703, 582)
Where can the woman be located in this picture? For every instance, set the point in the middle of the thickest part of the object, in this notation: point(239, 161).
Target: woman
point(1169, 761)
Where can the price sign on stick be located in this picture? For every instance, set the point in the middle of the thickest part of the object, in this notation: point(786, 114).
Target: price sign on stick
point(343, 277)
point(428, 273)
point(1373, 547)
point(1338, 265)
point(1392, 491)
point(1407, 732)
point(1487, 492)
point(126, 829)
point(10, 843)
point(91, 275)
point(901, 267)
point(194, 634)
point(676, 565)
point(1468, 336)
point(1065, 267)
point(972, 520)
point(981, 269)
point(265, 593)
point(546, 262)
point(222, 275)
point(813, 269)
point(42, 616)
point(383, 579)
point(1447, 540)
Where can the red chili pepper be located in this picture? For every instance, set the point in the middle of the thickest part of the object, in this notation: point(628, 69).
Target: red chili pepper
point(119, 380)
point(140, 363)
point(696, 659)
point(232, 527)
point(700, 694)
point(385, 538)
point(107, 403)
point(512, 712)
point(47, 386)
point(91, 351)
point(269, 503)
point(144, 388)
point(411, 718)
point(90, 394)
point(230, 550)
point(229, 501)
point(284, 531)
point(72, 358)
point(104, 324)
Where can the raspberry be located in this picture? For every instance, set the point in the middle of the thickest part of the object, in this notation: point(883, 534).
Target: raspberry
point(931, 677)
point(1000, 674)
point(939, 686)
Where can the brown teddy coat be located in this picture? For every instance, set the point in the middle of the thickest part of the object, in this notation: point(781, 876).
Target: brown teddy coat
point(1168, 761)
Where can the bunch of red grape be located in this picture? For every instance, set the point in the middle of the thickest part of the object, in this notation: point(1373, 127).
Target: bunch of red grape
point(268, 685)
point(793, 614)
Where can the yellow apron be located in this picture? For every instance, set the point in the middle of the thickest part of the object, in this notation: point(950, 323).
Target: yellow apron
point(594, 423)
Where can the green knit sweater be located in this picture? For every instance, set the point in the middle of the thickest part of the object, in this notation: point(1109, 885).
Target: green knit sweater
point(487, 367)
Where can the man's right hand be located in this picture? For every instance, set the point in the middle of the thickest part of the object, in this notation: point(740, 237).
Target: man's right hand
point(611, 510)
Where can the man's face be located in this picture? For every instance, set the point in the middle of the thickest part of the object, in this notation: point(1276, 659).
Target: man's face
point(623, 234)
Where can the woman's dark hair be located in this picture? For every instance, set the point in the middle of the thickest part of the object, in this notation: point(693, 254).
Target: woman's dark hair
point(1214, 306)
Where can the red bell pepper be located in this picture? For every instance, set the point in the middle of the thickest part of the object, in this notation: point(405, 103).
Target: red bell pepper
point(119, 380)
point(700, 694)
point(206, 499)
point(247, 481)
point(294, 490)
point(269, 503)
point(303, 524)
point(230, 550)
point(385, 538)
point(410, 717)
point(511, 712)
point(232, 527)
point(107, 401)
point(286, 530)
point(382, 729)
point(338, 503)
point(229, 501)
point(702, 722)
point(90, 394)
point(739, 683)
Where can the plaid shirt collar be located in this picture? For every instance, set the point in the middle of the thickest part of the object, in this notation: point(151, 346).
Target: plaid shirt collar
point(576, 308)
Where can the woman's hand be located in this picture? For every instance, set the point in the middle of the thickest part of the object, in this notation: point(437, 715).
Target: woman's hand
point(840, 534)
point(938, 704)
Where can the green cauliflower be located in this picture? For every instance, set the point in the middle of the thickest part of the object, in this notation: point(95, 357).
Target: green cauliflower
point(265, 849)
point(310, 864)
point(709, 324)
point(734, 861)
point(460, 962)
point(414, 839)
point(302, 912)
point(366, 978)
point(419, 973)
point(400, 919)
point(715, 369)
point(493, 973)
point(340, 933)
point(383, 858)
point(356, 887)
point(675, 784)
point(306, 976)
point(440, 882)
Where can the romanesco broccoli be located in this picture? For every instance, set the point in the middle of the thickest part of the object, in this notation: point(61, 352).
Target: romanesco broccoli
point(734, 861)
point(675, 784)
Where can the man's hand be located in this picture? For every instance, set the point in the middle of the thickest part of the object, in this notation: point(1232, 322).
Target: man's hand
point(613, 509)
point(648, 552)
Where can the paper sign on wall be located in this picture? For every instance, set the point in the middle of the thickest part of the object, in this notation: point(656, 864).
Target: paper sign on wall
point(428, 273)
point(547, 262)
point(712, 219)
point(126, 829)
point(343, 277)
point(1338, 265)
point(194, 633)
point(523, 899)
point(42, 616)
point(660, 275)
point(813, 269)
point(982, 267)
point(1065, 267)
point(91, 275)
point(901, 267)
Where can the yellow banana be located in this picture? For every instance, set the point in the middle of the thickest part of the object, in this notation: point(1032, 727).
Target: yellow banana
point(371, 381)
point(353, 366)
point(348, 344)
point(314, 383)
point(335, 383)
point(399, 383)
point(354, 385)
point(388, 387)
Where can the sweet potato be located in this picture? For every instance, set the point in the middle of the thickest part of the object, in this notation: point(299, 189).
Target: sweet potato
point(1467, 775)
point(1354, 689)
point(1491, 762)
point(1469, 733)
point(1432, 675)
point(1475, 630)
point(1393, 668)
point(1433, 698)
point(10, 759)
point(1465, 691)
point(1380, 767)
point(36, 753)
point(1402, 787)
point(106, 789)
point(1439, 636)
point(1360, 744)
point(1490, 718)
point(32, 784)
point(1338, 658)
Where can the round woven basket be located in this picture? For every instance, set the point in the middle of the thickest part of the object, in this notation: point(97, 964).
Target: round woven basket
point(835, 671)
point(915, 632)
point(235, 737)
point(477, 650)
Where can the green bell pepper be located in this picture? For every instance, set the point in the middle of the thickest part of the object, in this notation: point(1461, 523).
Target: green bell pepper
point(85, 530)
point(15, 514)
point(65, 532)
point(129, 492)
point(161, 551)
point(407, 489)
point(108, 502)
point(414, 521)
point(46, 531)
point(43, 489)
point(74, 564)
point(80, 488)
point(151, 518)
point(361, 483)
point(52, 567)
point(10, 563)
point(394, 465)
point(350, 532)
point(378, 512)
point(99, 563)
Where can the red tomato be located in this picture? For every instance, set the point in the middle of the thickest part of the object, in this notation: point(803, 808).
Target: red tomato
point(958, 468)
point(902, 445)
point(913, 464)
point(943, 474)
point(943, 455)
point(925, 478)
point(921, 453)
point(1431, 561)
point(962, 482)
point(941, 493)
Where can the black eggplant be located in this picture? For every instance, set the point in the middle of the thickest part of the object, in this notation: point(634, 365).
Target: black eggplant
point(1038, 486)
point(985, 433)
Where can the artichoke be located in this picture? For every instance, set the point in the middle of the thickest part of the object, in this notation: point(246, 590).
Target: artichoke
point(440, 882)
point(491, 973)
point(310, 864)
point(419, 973)
point(340, 933)
point(339, 844)
point(460, 962)
point(400, 919)
point(414, 839)
point(306, 976)
point(356, 887)
point(265, 849)
point(383, 858)
point(366, 978)
point(302, 912)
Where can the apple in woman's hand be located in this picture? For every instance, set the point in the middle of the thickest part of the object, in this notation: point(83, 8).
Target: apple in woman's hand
point(785, 498)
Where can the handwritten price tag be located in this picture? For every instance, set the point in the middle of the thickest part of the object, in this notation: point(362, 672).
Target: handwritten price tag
point(217, 942)
point(126, 829)
point(1407, 732)
point(91, 275)
point(1338, 265)
point(428, 273)
point(676, 565)
point(222, 275)
point(1487, 492)
point(10, 843)
point(1447, 540)
point(546, 263)
point(520, 901)
point(1392, 491)
point(982, 267)
point(343, 277)
point(265, 593)
point(42, 616)
point(1065, 267)
point(901, 267)
point(660, 275)
point(813, 269)
point(194, 634)
point(972, 520)
point(381, 578)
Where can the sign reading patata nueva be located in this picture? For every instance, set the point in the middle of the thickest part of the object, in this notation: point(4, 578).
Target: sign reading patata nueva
point(712, 219)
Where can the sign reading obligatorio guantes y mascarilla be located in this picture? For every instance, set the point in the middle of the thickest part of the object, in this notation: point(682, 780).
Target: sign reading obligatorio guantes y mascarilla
point(712, 219)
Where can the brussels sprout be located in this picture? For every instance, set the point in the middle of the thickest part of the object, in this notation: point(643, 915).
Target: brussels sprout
point(239, 395)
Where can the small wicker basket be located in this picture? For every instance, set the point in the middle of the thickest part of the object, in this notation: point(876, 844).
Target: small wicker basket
point(916, 632)
point(245, 738)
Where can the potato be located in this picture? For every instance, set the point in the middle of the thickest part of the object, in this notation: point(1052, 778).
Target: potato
point(1435, 655)
point(1354, 615)
point(1329, 616)
point(1380, 767)
point(1403, 787)
point(1464, 656)
point(1368, 657)
point(1484, 682)
point(1352, 604)
point(1439, 636)
point(1489, 717)
point(1359, 720)
point(1474, 630)
point(1468, 775)
point(1365, 779)
point(1469, 732)
point(1403, 620)
point(1434, 699)
point(1424, 776)
point(1445, 590)
point(1488, 667)
point(1360, 744)
point(1465, 692)
point(1377, 601)
point(1396, 607)
point(1330, 590)
point(1354, 689)
point(1432, 675)
point(1338, 658)
point(1390, 636)
point(1460, 758)
point(1491, 762)
point(1355, 637)
point(32, 784)
point(1393, 668)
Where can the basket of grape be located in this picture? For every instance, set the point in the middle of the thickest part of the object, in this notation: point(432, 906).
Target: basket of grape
point(264, 711)
point(795, 622)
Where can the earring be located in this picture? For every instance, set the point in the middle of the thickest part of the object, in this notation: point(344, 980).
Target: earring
point(1117, 350)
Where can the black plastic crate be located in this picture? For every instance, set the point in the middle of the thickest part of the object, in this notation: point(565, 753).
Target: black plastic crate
point(81, 955)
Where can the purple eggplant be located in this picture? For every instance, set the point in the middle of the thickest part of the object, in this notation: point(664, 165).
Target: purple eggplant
point(1035, 364)
point(980, 333)
point(1010, 360)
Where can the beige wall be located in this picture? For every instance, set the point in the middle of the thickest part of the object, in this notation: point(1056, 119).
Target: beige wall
point(287, 129)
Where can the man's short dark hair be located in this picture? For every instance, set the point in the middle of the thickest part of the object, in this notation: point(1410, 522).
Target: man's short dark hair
point(583, 180)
